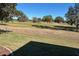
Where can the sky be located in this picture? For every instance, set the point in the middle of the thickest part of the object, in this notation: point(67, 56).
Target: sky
point(42, 9)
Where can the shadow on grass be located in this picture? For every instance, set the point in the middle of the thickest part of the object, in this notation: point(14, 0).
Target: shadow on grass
point(56, 27)
point(4, 31)
point(3, 24)
point(43, 49)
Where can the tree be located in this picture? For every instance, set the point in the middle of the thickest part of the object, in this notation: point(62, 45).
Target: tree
point(59, 19)
point(47, 18)
point(39, 19)
point(77, 15)
point(21, 16)
point(7, 10)
point(23, 19)
point(34, 19)
point(19, 13)
point(72, 15)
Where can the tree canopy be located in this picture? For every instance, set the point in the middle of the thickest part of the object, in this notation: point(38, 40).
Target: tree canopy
point(21, 16)
point(59, 19)
point(7, 10)
point(72, 14)
point(47, 18)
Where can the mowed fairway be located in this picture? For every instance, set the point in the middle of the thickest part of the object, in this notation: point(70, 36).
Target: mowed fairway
point(22, 33)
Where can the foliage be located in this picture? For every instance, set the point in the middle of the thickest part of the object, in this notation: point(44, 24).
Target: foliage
point(7, 10)
point(34, 19)
point(39, 19)
point(47, 18)
point(72, 14)
point(21, 16)
point(59, 19)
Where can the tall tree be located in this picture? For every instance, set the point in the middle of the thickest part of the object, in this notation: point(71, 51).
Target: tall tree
point(7, 10)
point(73, 15)
point(77, 15)
point(70, 16)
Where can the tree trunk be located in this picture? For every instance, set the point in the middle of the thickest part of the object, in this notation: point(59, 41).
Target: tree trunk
point(76, 28)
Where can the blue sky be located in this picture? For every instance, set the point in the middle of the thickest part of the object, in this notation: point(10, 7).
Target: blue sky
point(42, 9)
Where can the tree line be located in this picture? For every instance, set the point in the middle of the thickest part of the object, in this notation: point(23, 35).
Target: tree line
point(8, 11)
point(48, 19)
